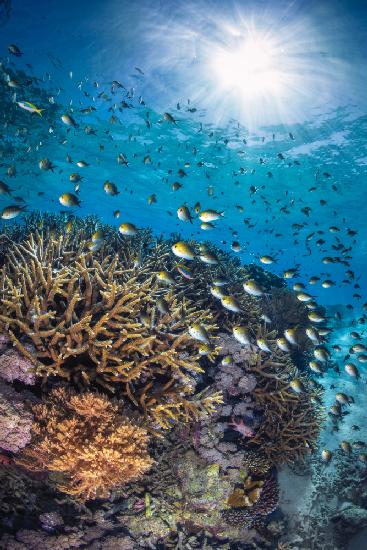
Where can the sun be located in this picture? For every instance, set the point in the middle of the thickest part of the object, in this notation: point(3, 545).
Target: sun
point(251, 67)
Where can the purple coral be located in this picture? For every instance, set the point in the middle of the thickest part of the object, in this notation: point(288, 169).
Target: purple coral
point(14, 366)
point(15, 421)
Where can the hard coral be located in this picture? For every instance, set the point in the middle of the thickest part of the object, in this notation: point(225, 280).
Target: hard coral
point(14, 366)
point(86, 440)
point(15, 421)
point(95, 321)
point(291, 422)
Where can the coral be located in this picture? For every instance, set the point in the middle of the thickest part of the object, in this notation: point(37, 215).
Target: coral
point(255, 463)
point(247, 494)
point(84, 438)
point(96, 322)
point(14, 366)
point(291, 422)
point(15, 421)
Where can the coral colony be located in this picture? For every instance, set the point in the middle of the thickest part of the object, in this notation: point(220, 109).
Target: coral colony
point(108, 396)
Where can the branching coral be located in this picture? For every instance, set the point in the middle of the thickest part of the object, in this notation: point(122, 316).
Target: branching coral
point(291, 422)
point(86, 440)
point(247, 494)
point(96, 322)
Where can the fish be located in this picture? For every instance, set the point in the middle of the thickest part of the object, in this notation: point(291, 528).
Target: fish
point(263, 345)
point(231, 304)
point(152, 199)
point(110, 188)
point(297, 385)
point(69, 200)
point(68, 120)
point(116, 214)
point(11, 212)
point(128, 229)
point(207, 226)
point(352, 370)
point(321, 354)
point(235, 246)
point(169, 118)
point(183, 214)
point(82, 164)
point(326, 455)
point(210, 215)
point(4, 188)
point(227, 361)
point(162, 306)
point(75, 178)
point(267, 260)
point(217, 292)
point(165, 277)
point(242, 334)
point(46, 165)
point(183, 250)
point(14, 50)
point(283, 344)
point(208, 257)
point(121, 159)
point(291, 335)
point(184, 271)
point(198, 332)
point(27, 106)
point(253, 288)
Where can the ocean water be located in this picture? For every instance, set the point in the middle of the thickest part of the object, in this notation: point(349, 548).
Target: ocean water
point(283, 162)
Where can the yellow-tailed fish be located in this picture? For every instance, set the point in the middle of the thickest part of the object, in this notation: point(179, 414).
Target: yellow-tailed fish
point(230, 303)
point(210, 215)
point(128, 229)
point(183, 250)
point(69, 200)
point(253, 288)
point(242, 335)
point(198, 332)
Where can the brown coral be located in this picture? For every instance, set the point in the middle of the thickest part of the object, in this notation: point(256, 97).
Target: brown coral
point(86, 440)
point(291, 422)
point(246, 495)
point(96, 322)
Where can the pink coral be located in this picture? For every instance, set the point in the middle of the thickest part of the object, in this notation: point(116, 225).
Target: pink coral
point(15, 421)
point(14, 366)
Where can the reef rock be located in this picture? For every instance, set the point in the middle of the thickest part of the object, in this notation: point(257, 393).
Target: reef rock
point(15, 421)
point(14, 366)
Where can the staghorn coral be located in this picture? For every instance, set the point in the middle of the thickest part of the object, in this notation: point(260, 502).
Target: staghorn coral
point(14, 366)
point(96, 322)
point(84, 438)
point(15, 420)
point(291, 422)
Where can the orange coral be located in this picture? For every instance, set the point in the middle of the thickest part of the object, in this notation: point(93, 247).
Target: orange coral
point(86, 440)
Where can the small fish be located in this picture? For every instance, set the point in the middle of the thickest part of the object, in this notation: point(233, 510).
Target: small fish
point(207, 226)
point(290, 273)
point(184, 271)
point(121, 159)
point(198, 332)
point(29, 107)
point(208, 257)
point(312, 334)
point(304, 297)
point(230, 303)
point(165, 277)
point(75, 178)
point(162, 306)
point(267, 260)
point(169, 118)
point(176, 186)
point(352, 370)
point(197, 207)
point(227, 361)
point(263, 345)
point(321, 354)
point(69, 200)
point(283, 344)
point(183, 214)
point(217, 292)
point(116, 214)
point(235, 246)
point(128, 229)
point(110, 188)
point(11, 212)
point(297, 385)
point(45, 164)
point(97, 236)
point(316, 317)
point(183, 250)
point(253, 288)
point(326, 455)
point(242, 335)
point(346, 447)
point(205, 349)
point(152, 199)
point(14, 50)
point(82, 164)
point(210, 215)
point(68, 120)
point(4, 188)
point(291, 336)
point(315, 366)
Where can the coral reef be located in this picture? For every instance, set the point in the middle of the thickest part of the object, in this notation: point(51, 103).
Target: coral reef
point(83, 438)
point(291, 422)
point(96, 322)
point(15, 421)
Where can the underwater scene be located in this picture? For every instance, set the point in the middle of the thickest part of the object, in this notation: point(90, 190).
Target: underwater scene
point(183, 313)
